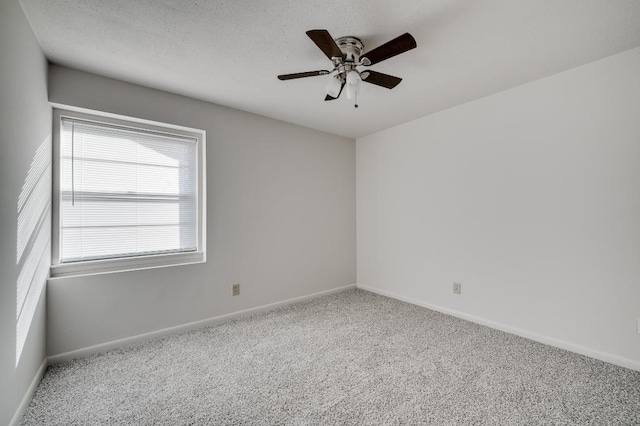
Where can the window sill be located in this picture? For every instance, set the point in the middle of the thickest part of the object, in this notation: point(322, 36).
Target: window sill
point(121, 265)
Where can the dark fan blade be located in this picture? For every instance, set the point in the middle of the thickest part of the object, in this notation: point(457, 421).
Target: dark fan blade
point(302, 74)
point(384, 80)
point(325, 42)
point(331, 98)
point(390, 49)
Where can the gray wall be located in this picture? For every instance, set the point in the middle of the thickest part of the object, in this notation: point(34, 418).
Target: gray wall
point(25, 123)
point(530, 198)
point(280, 219)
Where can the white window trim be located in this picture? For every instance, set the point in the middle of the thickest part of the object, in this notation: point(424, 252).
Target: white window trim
point(137, 262)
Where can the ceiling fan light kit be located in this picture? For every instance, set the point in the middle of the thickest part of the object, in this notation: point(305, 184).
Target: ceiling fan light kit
point(353, 85)
point(346, 55)
point(334, 87)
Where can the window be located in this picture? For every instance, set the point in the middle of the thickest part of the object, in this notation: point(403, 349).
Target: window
point(129, 194)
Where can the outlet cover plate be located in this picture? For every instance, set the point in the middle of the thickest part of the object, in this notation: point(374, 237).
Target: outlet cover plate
point(235, 290)
point(457, 288)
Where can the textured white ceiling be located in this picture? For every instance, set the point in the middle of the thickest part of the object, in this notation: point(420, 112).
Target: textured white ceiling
point(230, 51)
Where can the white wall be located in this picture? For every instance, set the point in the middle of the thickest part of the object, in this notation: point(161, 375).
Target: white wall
point(281, 220)
point(530, 198)
point(25, 123)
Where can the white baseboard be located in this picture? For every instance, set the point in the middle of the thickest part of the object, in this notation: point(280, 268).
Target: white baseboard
point(26, 399)
point(562, 344)
point(140, 338)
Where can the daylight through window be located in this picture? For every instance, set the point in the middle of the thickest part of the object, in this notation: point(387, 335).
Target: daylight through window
point(125, 192)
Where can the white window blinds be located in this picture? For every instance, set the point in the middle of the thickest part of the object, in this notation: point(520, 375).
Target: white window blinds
point(125, 192)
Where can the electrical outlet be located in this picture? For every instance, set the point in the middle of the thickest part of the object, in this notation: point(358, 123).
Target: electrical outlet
point(457, 288)
point(235, 289)
point(638, 325)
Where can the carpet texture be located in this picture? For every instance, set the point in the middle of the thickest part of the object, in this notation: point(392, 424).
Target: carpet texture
point(348, 358)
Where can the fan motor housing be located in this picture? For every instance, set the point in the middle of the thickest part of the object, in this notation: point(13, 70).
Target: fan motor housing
point(351, 46)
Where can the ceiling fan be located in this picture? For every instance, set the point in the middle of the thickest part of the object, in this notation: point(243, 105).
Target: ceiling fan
point(346, 55)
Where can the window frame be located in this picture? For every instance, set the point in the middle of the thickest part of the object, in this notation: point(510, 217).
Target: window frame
point(137, 262)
